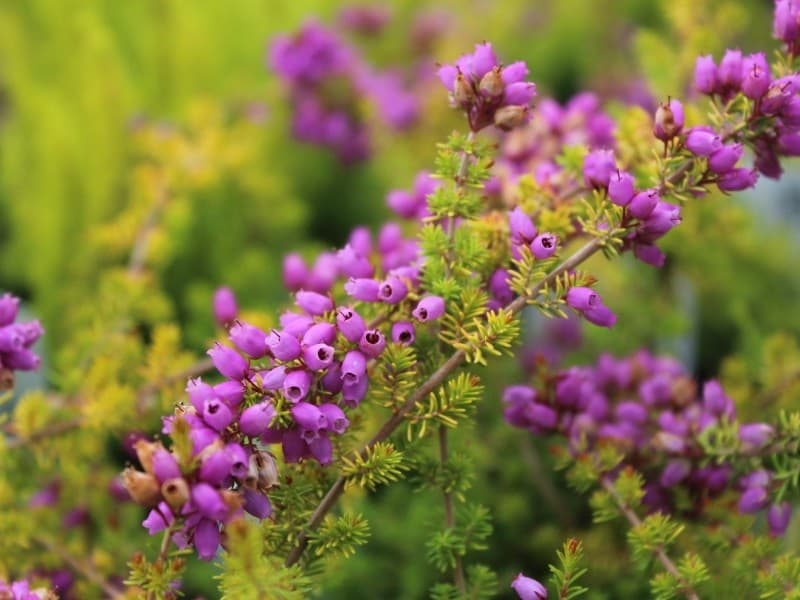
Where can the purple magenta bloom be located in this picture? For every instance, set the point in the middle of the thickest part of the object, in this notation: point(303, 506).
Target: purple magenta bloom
point(331, 381)
point(11, 338)
point(631, 411)
point(429, 308)
point(725, 158)
point(650, 254)
point(354, 367)
point(520, 93)
point(320, 333)
point(644, 203)
point(621, 188)
point(256, 418)
point(295, 324)
point(598, 166)
point(755, 76)
point(705, 74)
point(257, 504)
point(21, 359)
point(753, 500)
point(354, 392)
point(230, 392)
point(542, 416)
point(403, 203)
point(703, 141)
point(201, 438)
point(789, 143)
point(499, 287)
point(198, 393)
point(363, 289)
point(729, 74)
point(715, 401)
point(318, 357)
point(216, 466)
point(390, 237)
point(403, 332)
point(228, 362)
point(392, 291)
point(372, 343)
point(737, 180)
point(674, 472)
point(313, 303)
point(522, 229)
point(664, 217)
point(754, 436)
point(216, 414)
point(283, 345)
point(158, 519)
point(239, 460)
point(786, 21)
point(528, 589)
point(165, 466)
point(337, 421)
point(353, 264)
point(350, 324)
point(9, 308)
point(322, 449)
point(295, 272)
point(588, 303)
point(668, 121)
point(208, 501)
point(308, 416)
point(206, 539)
point(296, 385)
point(249, 339)
point(224, 305)
point(778, 518)
point(273, 379)
point(544, 245)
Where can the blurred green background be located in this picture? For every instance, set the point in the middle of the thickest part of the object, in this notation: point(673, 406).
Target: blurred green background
point(102, 102)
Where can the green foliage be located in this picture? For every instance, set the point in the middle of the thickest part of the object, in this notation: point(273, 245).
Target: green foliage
point(473, 526)
point(453, 403)
point(341, 535)
point(155, 578)
point(395, 376)
point(381, 463)
point(250, 574)
point(655, 533)
point(563, 577)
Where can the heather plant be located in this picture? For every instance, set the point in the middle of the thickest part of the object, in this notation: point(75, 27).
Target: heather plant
point(272, 453)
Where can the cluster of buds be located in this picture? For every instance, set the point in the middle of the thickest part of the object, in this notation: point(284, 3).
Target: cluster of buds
point(773, 123)
point(16, 340)
point(362, 257)
point(533, 148)
point(413, 204)
point(786, 24)
point(488, 92)
point(327, 78)
point(650, 216)
point(648, 408)
point(21, 590)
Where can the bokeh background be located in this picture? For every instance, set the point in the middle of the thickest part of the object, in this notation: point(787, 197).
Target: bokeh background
point(109, 108)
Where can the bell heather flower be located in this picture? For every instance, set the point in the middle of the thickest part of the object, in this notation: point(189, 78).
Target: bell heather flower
point(256, 418)
point(522, 229)
point(283, 345)
point(598, 166)
point(414, 204)
point(724, 159)
point(755, 76)
point(225, 308)
point(363, 289)
point(228, 362)
point(778, 518)
point(703, 141)
point(249, 339)
point(372, 343)
point(318, 356)
point(528, 589)
point(429, 308)
point(544, 246)
point(587, 302)
point(403, 333)
point(16, 339)
point(621, 188)
point(296, 385)
point(295, 272)
point(705, 74)
point(736, 180)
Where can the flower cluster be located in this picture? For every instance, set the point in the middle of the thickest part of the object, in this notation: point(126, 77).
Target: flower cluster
point(413, 204)
point(327, 78)
point(528, 588)
point(21, 590)
point(774, 117)
point(648, 408)
point(17, 339)
point(488, 92)
point(534, 147)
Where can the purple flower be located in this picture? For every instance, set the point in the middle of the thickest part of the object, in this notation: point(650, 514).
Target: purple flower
point(354, 392)
point(544, 245)
point(522, 229)
point(755, 76)
point(429, 308)
point(363, 289)
point(295, 272)
point(164, 465)
point(257, 504)
point(313, 303)
point(296, 385)
point(392, 290)
point(403, 333)
point(668, 120)
point(674, 472)
point(786, 21)
point(354, 367)
point(318, 357)
point(208, 501)
point(216, 414)
point(353, 264)
point(331, 381)
point(308, 416)
point(256, 418)
point(753, 499)
point(737, 180)
point(598, 166)
point(703, 141)
point(206, 539)
point(350, 324)
point(644, 203)
point(273, 379)
point(705, 75)
point(224, 305)
point(249, 339)
point(724, 159)
point(372, 343)
point(754, 436)
point(778, 518)
point(587, 302)
point(158, 519)
point(228, 362)
point(337, 421)
point(319, 333)
point(283, 345)
point(729, 74)
point(216, 466)
point(528, 589)
point(621, 188)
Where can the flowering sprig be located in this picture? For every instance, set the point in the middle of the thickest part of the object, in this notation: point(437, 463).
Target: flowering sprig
point(16, 341)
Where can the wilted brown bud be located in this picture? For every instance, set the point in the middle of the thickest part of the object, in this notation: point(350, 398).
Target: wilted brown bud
point(684, 391)
point(175, 492)
point(463, 93)
point(142, 487)
point(233, 500)
point(509, 117)
point(267, 470)
point(665, 125)
point(491, 84)
point(145, 451)
point(6, 380)
point(251, 479)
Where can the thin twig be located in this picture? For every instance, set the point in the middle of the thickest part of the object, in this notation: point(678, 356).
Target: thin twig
point(449, 514)
point(635, 521)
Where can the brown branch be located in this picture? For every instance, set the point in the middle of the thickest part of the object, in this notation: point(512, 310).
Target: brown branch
point(659, 551)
